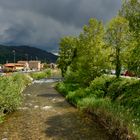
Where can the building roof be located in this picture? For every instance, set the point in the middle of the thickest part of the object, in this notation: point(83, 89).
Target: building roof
point(17, 64)
point(35, 61)
point(9, 65)
point(13, 65)
point(22, 62)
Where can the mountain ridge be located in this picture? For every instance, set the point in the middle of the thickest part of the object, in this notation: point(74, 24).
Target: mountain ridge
point(23, 52)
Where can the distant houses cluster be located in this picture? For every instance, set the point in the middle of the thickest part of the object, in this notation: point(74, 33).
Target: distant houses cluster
point(26, 66)
point(23, 65)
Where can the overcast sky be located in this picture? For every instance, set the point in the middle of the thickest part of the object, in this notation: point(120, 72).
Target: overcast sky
point(41, 23)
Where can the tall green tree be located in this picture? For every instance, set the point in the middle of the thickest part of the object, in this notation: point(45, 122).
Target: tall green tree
point(66, 53)
point(118, 38)
point(91, 56)
point(131, 11)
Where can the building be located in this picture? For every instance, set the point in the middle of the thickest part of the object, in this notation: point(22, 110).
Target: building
point(42, 66)
point(9, 67)
point(13, 67)
point(19, 67)
point(25, 63)
point(35, 65)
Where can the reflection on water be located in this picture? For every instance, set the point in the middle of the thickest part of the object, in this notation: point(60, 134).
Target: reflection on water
point(45, 115)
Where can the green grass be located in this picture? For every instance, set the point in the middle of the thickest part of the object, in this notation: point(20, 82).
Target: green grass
point(11, 88)
point(41, 74)
point(113, 115)
point(116, 101)
point(64, 88)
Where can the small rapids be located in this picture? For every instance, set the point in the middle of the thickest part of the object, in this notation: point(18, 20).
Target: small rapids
point(48, 80)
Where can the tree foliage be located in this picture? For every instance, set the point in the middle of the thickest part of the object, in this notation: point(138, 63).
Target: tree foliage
point(86, 55)
point(91, 54)
point(66, 53)
point(131, 11)
point(100, 48)
point(118, 38)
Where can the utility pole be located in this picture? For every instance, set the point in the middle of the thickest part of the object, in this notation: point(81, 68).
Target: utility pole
point(26, 55)
point(36, 58)
point(14, 54)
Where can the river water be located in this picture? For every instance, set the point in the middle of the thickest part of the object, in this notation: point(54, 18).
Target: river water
point(46, 115)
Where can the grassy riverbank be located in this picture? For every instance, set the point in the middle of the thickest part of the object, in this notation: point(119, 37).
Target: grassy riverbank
point(114, 101)
point(41, 74)
point(11, 88)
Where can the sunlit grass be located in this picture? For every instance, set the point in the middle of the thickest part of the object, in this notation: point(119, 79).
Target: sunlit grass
point(41, 74)
point(11, 88)
point(115, 101)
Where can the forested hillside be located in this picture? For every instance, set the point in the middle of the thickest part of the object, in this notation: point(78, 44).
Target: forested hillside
point(7, 54)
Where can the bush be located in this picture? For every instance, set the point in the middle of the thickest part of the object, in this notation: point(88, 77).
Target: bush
point(65, 88)
point(10, 92)
point(130, 96)
point(61, 87)
point(75, 96)
point(119, 86)
point(71, 77)
point(113, 115)
point(116, 101)
point(99, 86)
point(41, 74)
point(48, 72)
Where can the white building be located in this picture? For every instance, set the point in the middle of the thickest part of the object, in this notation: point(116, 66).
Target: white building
point(35, 65)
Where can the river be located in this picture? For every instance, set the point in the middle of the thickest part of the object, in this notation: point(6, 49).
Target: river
point(46, 115)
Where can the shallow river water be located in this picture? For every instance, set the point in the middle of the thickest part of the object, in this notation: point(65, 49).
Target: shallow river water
point(46, 115)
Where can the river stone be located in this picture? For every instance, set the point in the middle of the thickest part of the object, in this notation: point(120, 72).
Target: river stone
point(46, 107)
point(5, 139)
point(36, 106)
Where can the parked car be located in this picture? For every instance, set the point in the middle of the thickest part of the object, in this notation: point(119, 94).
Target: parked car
point(129, 73)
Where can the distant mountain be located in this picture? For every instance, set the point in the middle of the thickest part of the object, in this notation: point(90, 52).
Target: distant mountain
point(8, 53)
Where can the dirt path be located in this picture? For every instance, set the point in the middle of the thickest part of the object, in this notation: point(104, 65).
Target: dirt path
point(45, 115)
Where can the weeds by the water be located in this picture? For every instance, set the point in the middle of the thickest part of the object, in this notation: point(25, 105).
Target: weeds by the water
point(41, 74)
point(112, 115)
point(11, 88)
point(114, 101)
point(2, 118)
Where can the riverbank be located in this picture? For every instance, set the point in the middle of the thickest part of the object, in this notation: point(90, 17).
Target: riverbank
point(11, 88)
point(114, 101)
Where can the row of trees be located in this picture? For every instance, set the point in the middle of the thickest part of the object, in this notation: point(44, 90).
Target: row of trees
point(100, 48)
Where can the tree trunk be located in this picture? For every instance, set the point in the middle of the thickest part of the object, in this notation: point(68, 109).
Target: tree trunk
point(118, 63)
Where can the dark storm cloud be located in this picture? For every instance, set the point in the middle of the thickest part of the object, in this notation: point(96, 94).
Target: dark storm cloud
point(41, 23)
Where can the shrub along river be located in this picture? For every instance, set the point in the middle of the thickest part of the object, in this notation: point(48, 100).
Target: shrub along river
point(46, 115)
